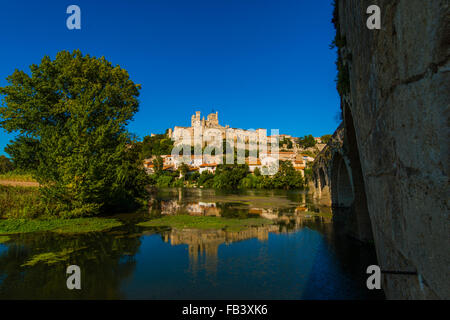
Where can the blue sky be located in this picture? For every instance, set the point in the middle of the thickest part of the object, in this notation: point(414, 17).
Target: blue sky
point(259, 63)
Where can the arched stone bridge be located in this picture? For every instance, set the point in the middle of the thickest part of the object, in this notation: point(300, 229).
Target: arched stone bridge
point(393, 142)
point(322, 167)
point(337, 185)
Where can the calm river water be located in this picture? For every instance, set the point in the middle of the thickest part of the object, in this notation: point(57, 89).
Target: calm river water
point(300, 256)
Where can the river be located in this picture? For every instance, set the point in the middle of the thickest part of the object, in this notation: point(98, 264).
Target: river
point(299, 256)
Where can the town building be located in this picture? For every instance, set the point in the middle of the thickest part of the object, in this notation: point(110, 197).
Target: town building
point(211, 132)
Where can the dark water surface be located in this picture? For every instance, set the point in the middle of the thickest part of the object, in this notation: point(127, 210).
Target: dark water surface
point(301, 256)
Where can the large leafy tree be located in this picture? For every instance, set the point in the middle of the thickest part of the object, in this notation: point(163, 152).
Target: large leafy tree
point(77, 107)
point(287, 177)
point(307, 141)
point(24, 152)
point(229, 176)
point(156, 145)
point(5, 165)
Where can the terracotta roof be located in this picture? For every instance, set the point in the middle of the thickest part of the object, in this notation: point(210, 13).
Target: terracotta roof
point(208, 165)
point(253, 163)
point(280, 152)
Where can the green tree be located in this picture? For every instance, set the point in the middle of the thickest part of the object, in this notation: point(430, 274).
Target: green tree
point(156, 145)
point(5, 165)
point(325, 138)
point(249, 182)
point(307, 141)
point(206, 179)
point(158, 164)
point(286, 142)
point(183, 169)
point(287, 177)
point(24, 152)
point(194, 176)
point(164, 181)
point(229, 176)
point(78, 108)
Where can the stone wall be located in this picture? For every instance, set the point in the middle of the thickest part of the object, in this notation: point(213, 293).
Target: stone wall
point(398, 103)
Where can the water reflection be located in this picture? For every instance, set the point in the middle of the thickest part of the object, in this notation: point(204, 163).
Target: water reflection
point(288, 213)
point(104, 259)
point(300, 256)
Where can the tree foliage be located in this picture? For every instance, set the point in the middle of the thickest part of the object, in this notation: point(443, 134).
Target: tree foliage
point(233, 177)
point(307, 141)
point(157, 145)
point(183, 169)
point(5, 165)
point(158, 164)
point(76, 109)
point(325, 138)
point(287, 177)
point(286, 142)
point(25, 153)
point(229, 176)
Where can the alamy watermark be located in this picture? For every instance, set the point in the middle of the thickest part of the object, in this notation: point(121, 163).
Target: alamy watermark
point(74, 20)
point(374, 21)
point(374, 280)
point(74, 280)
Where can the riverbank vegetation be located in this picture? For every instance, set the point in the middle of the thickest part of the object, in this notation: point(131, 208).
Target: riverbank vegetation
point(21, 210)
point(66, 226)
point(235, 176)
point(72, 137)
point(20, 203)
point(15, 175)
point(205, 222)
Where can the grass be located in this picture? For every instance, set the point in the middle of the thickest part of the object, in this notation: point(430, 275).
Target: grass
point(17, 176)
point(67, 226)
point(18, 202)
point(51, 257)
point(21, 212)
point(205, 222)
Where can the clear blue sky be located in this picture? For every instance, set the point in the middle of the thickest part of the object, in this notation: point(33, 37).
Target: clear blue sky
point(260, 63)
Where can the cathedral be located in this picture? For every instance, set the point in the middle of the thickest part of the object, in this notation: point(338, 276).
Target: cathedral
point(212, 121)
point(204, 126)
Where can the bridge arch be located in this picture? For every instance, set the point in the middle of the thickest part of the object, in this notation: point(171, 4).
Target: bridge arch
point(342, 190)
point(315, 180)
point(322, 178)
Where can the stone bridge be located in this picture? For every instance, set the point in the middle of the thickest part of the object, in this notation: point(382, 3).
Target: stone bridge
point(338, 185)
point(385, 171)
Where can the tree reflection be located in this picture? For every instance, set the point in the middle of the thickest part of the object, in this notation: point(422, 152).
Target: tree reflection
point(105, 262)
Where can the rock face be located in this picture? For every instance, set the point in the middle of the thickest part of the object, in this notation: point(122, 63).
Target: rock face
point(398, 108)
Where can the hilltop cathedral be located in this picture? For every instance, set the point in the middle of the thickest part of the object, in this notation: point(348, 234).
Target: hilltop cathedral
point(211, 122)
